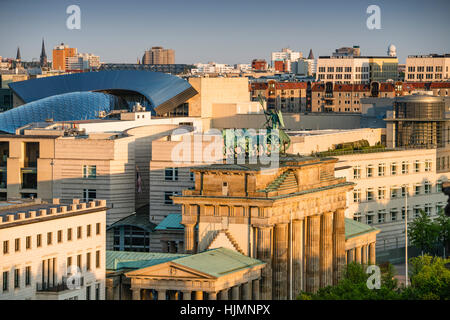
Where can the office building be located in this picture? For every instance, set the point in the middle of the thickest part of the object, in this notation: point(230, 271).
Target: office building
point(429, 68)
point(159, 55)
point(52, 251)
point(60, 55)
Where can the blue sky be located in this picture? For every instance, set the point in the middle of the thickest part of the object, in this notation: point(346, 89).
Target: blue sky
point(228, 31)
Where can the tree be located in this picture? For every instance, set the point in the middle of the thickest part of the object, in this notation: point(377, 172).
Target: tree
point(423, 233)
point(353, 286)
point(430, 279)
point(443, 226)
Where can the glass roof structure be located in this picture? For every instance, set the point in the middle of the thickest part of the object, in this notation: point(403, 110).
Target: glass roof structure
point(164, 92)
point(64, 107)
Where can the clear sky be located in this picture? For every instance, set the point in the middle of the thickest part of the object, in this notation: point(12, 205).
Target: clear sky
point(227, 31)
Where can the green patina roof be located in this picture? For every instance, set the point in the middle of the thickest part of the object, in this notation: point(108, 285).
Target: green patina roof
point(218, 262)
point(117, 260)
point(172, 221)
point(354, 228)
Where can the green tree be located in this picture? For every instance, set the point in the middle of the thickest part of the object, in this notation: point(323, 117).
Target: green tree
point(353, 286)
point(423, 233)
point(443, 225)
point(430, 279)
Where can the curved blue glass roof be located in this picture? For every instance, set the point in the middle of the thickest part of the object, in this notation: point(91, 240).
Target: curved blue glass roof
point(157, 87)
point(64, 107)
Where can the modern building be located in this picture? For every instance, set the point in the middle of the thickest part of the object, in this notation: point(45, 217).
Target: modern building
point(83, 62)
point(356, 69)
point(52, 251)
point(60, 55)
point(429, 68)
point(259, 65)
point(159, 55)
point(284, 58)
point(250, 209)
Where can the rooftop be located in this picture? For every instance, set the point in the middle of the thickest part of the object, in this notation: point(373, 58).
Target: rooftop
point(354, 228)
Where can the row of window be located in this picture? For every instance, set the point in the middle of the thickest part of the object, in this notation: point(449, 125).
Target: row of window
point(382, 216)
point(50, 238)
point(395, 192)
point(419, 76)
point(428, 68)
point(394, 168)
point(27, 271)
point(171, 174)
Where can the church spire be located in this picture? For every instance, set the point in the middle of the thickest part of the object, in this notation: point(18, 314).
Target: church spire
point(18, 58)
point(43, 59)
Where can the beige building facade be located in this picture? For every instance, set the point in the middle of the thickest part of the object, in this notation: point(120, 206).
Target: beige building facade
point(429, 68)
point(52, 251)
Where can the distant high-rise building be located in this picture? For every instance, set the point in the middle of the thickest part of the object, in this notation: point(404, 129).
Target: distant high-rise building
point(61, 54)
point(159, 55)
point(43, 58)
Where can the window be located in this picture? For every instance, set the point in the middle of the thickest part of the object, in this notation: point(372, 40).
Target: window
point(49, 238)
point(5, 280)
point(28, 275)
point(381, 216)
point(357, 195)
point(168, 196)
point(393, 214)
point(369, 194)
point(28, 242)
point(171, 174)
point(439, 186)
point(427, 165)
point(16, 278)
point(88, 230)
point(89, 172)
point(97, 291)
point(79, 261)
point(97, 228)
point(427, 187)
point(88, 261)
point(69, 234)
point(369, 171)
point(405, 190)
point(381, 169)
point(394, 192)
point(416, 166)
point(39, 240)
point(17, 244)
point(428, 209)
point(89, 195)
point(356, 172)
point(5, 247)
point(417, 189)
point(357, 216)
point(381, 193)
point(439, 207)
point(60, 236)
point(369, 217)
point(69, 263)
point(416, 211)
point(405, 167)
point(79, 232)
point(393, 168)
point(97, 259)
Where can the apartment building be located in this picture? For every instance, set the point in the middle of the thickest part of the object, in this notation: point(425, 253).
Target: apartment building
point(159, 55)
point(429, 68)
point(356, 69)
point(52, 251)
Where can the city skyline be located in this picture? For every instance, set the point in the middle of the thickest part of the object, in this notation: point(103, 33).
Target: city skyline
point(203, 31)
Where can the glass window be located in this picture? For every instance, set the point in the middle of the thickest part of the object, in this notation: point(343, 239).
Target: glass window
point(381, 169)
point(171, 174)
point(89, 195)
point(416, 166)
point(370, 195)
point(393, 214)
point(356, 172)
point(357, 195)
point(28, 275)
point(381, 193)
point(393, 168)
point(369, 171)
point(405, 167)
point(89, 172)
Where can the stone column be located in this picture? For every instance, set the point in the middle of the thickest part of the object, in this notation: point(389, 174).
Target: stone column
point(350, 256)
point(264, 253)
point(358, 255)
point(136, 293)
point(246, 291)
point(235, 293)
point(161, 294)
point(255, 289)
point(339, 256)
point(326, 249)
point(364, 255)
point(312, 254)
point(297, 256)
point(187, 295)
point(212, 295)
point(372, 257)
point(172, 247)
point(198, 295)
point(280, 279)
point(189, 239)
point(223, 294)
